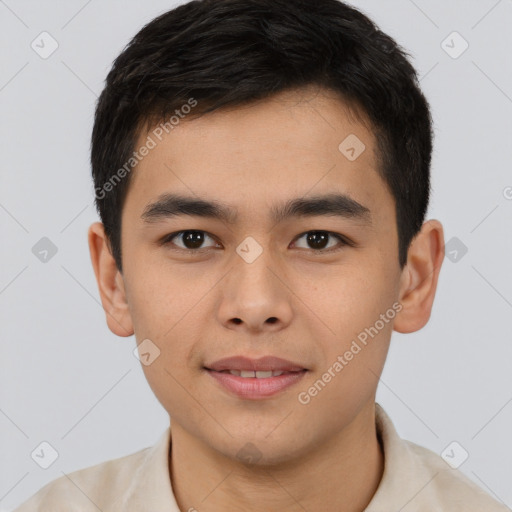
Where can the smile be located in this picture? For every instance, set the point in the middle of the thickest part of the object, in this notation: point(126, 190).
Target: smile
point(255, 385)
point(253, 374)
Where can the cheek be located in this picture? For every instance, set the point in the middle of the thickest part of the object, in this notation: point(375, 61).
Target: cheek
point(168, 307)
point(162, 298)
point(348, 298)
point(165, 315)
point(358, 305)
point(362, 319)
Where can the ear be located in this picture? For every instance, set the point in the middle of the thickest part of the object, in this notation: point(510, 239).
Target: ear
point(418, 282)
point(110, 282)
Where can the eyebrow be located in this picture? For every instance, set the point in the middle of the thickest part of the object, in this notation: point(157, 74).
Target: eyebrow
point(337, 205)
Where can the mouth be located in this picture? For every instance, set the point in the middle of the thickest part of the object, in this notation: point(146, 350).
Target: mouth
point(249, 374)
point(262, 364)
point(253, 379)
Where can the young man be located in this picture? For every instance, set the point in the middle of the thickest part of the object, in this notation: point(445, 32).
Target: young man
point(262, 175)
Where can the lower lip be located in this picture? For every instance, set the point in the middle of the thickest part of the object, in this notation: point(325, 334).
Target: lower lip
point(253, 388)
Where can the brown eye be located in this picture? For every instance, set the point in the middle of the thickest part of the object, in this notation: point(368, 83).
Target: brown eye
point(191, 240)
point(319, 240)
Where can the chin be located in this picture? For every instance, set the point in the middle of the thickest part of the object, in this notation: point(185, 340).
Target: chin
point(260, 451)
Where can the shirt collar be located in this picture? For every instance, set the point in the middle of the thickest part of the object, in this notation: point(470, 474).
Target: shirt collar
point(401, 469)
point(151, 485)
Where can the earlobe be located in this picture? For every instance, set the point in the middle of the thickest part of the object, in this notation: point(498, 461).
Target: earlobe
point(419, 278)
point(110, 282)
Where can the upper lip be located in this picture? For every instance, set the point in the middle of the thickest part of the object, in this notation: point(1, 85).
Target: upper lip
point(266, 363)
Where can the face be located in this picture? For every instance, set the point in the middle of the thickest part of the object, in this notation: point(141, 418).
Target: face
point(306, 284)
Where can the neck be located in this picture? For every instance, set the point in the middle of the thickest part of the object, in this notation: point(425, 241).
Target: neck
point(342, 473)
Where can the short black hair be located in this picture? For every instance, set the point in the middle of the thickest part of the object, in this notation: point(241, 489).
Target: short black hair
point(226, 53)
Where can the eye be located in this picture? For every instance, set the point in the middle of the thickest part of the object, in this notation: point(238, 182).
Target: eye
point(192, 239)
point(318, 241)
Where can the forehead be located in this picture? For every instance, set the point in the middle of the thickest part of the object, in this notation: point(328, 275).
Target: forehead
point(295, 143)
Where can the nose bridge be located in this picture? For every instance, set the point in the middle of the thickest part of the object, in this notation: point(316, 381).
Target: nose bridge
point(253, 295)
point(252, 261)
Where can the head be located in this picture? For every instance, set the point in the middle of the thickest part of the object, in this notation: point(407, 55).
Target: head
point(261, 170)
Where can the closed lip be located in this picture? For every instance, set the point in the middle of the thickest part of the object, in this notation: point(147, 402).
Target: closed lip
point(266, 363)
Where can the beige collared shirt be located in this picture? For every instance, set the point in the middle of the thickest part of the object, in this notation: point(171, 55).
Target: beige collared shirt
point(415, 479)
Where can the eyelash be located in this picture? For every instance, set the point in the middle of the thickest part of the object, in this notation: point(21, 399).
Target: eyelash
point(167, 240)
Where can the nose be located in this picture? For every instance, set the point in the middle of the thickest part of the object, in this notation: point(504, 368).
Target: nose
point(255, 296)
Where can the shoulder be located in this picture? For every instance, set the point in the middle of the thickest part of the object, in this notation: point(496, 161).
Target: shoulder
point(450, 488)
point(416, 479)
point(98, 487)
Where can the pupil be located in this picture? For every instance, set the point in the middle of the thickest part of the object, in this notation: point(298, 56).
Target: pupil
point(193, 239)
point(318, 239)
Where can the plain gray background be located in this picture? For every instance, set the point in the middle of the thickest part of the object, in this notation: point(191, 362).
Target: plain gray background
point(68, 381)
